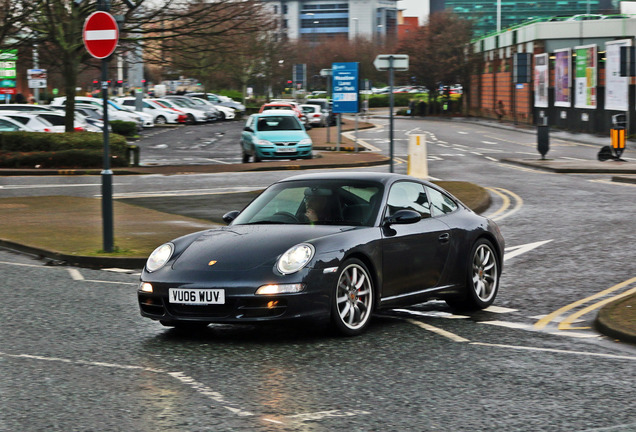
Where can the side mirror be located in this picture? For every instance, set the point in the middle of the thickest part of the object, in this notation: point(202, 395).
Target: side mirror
point(230, 216)
point(248, 129)
point(402, 217)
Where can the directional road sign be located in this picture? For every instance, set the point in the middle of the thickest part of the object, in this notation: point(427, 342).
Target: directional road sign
point(400, 62)
point(101, 34)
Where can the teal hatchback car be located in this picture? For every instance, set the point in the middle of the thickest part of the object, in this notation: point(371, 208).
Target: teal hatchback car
point(275, 135)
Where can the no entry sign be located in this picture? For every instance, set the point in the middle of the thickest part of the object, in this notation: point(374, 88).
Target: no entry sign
point(100, 34)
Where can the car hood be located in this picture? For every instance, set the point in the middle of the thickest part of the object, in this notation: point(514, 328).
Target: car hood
point(244, 247)
point(282, 135)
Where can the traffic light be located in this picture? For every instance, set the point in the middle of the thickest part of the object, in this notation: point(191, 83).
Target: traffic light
point(119, 83)
point(96, 83)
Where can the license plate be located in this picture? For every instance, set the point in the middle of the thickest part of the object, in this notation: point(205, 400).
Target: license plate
point(196, 296)
point(285, 150)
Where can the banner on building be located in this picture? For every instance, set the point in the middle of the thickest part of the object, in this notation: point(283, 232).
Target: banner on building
point(541, 80)
point(616, 86)
point(562, 78)
point(585, 77)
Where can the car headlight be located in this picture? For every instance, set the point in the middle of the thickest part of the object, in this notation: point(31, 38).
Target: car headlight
point(306, 141)
point(159, 257)
point(295, 258)
point(264, 143)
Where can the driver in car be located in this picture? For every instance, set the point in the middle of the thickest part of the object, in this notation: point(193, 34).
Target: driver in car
point(318, 205)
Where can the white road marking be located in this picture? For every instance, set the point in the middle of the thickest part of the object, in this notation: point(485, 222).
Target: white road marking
point(197, 386)
point(209, 393)
point(462, 132)
point(492, 159)
point(499, 309)
point(557, 351)
point(489, 142)
point(512, 252)
point(432, 314)
point(439, 331)
point(506, 324)
point(75, 274)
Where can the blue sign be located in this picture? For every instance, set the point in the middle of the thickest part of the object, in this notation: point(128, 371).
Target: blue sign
point(345, 87)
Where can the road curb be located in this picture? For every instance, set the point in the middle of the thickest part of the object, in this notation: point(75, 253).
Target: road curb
point(79, 261)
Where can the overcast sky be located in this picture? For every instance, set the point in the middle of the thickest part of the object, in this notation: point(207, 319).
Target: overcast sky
point(418, 8)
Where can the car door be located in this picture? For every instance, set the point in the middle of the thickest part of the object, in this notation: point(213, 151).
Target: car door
point(415, 254)
point(247, 137)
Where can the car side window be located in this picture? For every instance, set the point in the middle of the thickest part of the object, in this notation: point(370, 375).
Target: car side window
point(408, 196)
point(6, 126)
point(441, 204)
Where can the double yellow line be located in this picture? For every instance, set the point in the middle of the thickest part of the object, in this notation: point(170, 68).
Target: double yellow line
point(566, 323)
point(508, 199)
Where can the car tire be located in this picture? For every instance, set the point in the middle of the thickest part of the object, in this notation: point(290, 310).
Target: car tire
point(353, 298)
point(160, 120)
point(190, 119)
point(482, 278)
point(246, 158)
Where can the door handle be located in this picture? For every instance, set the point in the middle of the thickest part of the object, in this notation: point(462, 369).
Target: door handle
point(444, 238)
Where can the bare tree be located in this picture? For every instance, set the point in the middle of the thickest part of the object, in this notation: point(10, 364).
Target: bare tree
point(437, 51)
point(166, 28)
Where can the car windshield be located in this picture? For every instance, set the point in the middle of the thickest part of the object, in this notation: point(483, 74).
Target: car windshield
point(322, 202)
point(277, 123)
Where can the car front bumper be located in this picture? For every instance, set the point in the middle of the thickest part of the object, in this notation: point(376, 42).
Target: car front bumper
point(241, 304)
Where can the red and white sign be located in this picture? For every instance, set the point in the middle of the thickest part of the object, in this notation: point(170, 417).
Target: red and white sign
point(100, 34)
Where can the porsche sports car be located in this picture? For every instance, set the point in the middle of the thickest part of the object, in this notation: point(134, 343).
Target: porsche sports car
point(327, 246)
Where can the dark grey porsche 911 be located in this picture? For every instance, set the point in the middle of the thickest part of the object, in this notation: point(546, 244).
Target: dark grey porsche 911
point(327, 246)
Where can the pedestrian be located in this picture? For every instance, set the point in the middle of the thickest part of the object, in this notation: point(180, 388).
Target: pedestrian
point(412, 107)
point(500, 110)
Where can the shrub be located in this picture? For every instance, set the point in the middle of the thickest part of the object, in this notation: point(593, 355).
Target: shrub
point(125, 128)
point(59, 150)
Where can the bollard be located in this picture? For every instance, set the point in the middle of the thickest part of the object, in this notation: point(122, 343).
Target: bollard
point(133, 155)
point(618, 135)
point(543, 137)
point(418, 159)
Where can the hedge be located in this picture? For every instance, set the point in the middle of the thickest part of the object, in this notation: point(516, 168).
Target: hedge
point(125, 128)
point(59, 150)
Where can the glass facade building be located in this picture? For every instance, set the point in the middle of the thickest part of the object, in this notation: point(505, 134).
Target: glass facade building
point(484, 13)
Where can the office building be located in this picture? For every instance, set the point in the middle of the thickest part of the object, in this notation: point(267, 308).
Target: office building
point(318, 20)
point(484, 13)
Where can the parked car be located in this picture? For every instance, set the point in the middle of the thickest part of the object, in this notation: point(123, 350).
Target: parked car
point(275, 134)
point(29, 107)
point(8, 124)
point(160, 115)
point(380, 241)
point(58, 120)
point(116, 113)
point(224, 112)
point(32, 121)
point(92, 115)
point(288, 106)
point(220, 100)
point(205, 112)
point(218, 110)
point(315, 116)
point(192, 115)
point(325, 105)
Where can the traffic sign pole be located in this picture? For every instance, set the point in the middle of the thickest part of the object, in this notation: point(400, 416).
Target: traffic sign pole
point(391, 102)
point(107, 173)
point(101, 34)
point(391, 62)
